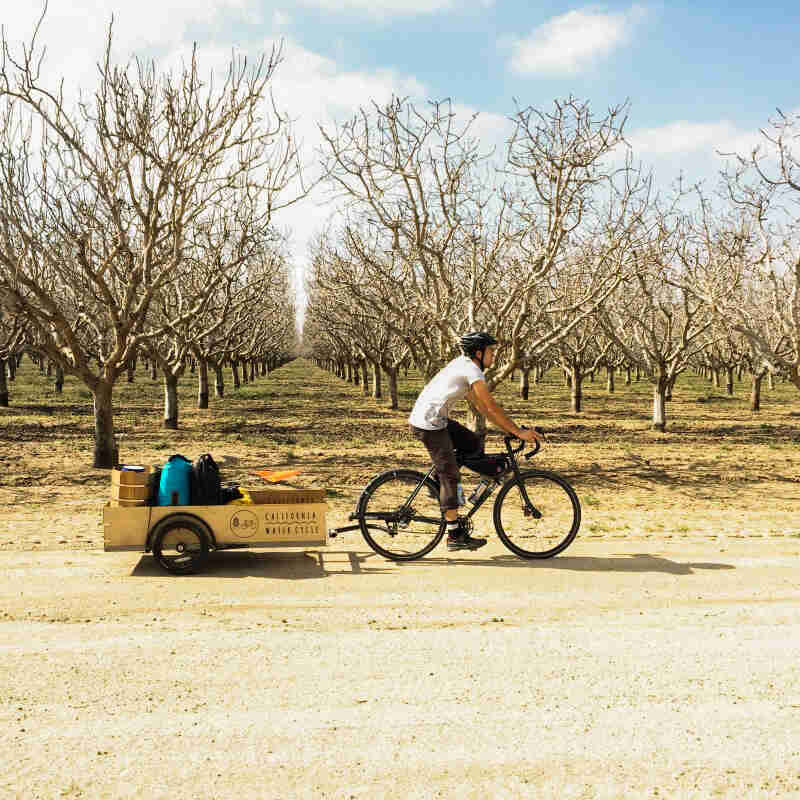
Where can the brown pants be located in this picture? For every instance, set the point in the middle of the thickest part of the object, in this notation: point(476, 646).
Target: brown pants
point(442, 445)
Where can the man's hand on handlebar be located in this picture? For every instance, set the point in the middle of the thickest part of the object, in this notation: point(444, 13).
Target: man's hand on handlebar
point(530, 435)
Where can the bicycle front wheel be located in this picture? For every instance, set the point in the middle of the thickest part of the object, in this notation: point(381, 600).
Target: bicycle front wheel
point(546, 526)
point(394, 524)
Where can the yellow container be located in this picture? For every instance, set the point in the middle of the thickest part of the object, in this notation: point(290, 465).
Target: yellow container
point(129, 487)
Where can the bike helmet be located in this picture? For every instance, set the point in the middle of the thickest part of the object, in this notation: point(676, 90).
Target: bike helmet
point(477, 340)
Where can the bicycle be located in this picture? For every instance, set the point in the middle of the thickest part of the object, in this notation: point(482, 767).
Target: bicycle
point(399, 516)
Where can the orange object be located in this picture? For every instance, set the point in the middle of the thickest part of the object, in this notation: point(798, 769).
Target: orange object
point(276, 476)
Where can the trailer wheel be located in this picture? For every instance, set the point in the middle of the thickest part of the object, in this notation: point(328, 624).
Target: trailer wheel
point(181, 544)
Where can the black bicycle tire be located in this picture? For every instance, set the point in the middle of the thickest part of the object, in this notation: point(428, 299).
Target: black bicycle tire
point(186, 521)
point(576, 516)
point(377, 481)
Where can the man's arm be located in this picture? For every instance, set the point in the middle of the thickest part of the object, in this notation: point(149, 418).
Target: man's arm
point(482, 399)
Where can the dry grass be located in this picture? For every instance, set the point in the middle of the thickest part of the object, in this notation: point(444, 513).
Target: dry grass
point(719, 471)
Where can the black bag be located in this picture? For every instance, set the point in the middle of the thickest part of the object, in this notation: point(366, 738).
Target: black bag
point(228, 494)
point(490, 465)
point(205, 483)
point(153, 484)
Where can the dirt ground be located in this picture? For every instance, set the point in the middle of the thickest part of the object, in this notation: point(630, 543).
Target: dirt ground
point(619, 669)
point(656, 657)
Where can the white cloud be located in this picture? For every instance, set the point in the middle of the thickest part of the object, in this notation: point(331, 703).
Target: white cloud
point(573, 41)
point(687, 138)
point(696, 151)
point(74, 31)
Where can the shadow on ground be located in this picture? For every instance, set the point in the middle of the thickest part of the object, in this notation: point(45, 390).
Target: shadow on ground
point(284, 566)
point(319, 564)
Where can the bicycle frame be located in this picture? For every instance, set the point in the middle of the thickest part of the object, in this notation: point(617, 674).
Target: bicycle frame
point(398, 515)
point(529, 506)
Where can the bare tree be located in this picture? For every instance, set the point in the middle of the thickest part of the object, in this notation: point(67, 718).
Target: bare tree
point(745, 259)
point(95, 218)
point(653, 320)
point(473, 246)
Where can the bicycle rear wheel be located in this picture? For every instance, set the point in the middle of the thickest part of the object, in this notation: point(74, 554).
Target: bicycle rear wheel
point(394, 527)
point(546, 528)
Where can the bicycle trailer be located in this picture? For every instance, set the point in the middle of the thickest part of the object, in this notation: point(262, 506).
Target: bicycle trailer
point(180, 537)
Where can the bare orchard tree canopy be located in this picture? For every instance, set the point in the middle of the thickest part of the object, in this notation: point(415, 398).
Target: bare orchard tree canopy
point(744, 260)
point(104, 204)
point(468, 243)
point(655, 322)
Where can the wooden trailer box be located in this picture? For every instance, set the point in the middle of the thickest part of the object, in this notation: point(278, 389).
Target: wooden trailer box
point(276, 518)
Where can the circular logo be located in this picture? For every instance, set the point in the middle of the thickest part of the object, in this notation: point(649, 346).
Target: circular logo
point(244, 524)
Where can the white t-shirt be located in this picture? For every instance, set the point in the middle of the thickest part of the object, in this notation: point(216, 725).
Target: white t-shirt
point(445, 389)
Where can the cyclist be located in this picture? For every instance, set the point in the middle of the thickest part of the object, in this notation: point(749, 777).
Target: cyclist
point(430, 423)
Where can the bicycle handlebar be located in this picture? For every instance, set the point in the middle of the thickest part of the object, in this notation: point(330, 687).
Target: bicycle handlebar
point(508, 438)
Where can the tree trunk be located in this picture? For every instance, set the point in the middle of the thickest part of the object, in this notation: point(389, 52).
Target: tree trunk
point(770, 380)
point(13, 363)
point(171, 402)
point(202, 383)
point(153, 370)
point(349, 372)
point(638, 374)
point(219, 381)
point(717, 382)
point(235, 369)
point(59, 382)
point(253, 374)
point(755, 392)
point(377, 389)
point(131, 369)
point(3, 384)
point(670, 386)
point(364, 378)
point(49, 371)
point(729, 383)
point(393, 394)
point(660, 404)
point(627, 376)
point(577, 389)
point(106, 453)
point(524, 383)
point(610, 382)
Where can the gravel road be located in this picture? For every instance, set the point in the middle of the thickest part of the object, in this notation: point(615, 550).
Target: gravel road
point(621, 669)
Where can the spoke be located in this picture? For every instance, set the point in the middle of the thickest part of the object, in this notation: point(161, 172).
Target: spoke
point(410, 513)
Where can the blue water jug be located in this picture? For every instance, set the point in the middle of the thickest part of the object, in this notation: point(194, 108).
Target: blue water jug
point(173, 489)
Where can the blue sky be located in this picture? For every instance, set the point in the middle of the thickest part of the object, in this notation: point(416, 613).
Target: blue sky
point(682, 61)
point(700, 76)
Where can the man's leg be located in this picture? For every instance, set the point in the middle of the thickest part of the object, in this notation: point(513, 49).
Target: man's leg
point(440, 447)
point(442, 452)
point(464, 440)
